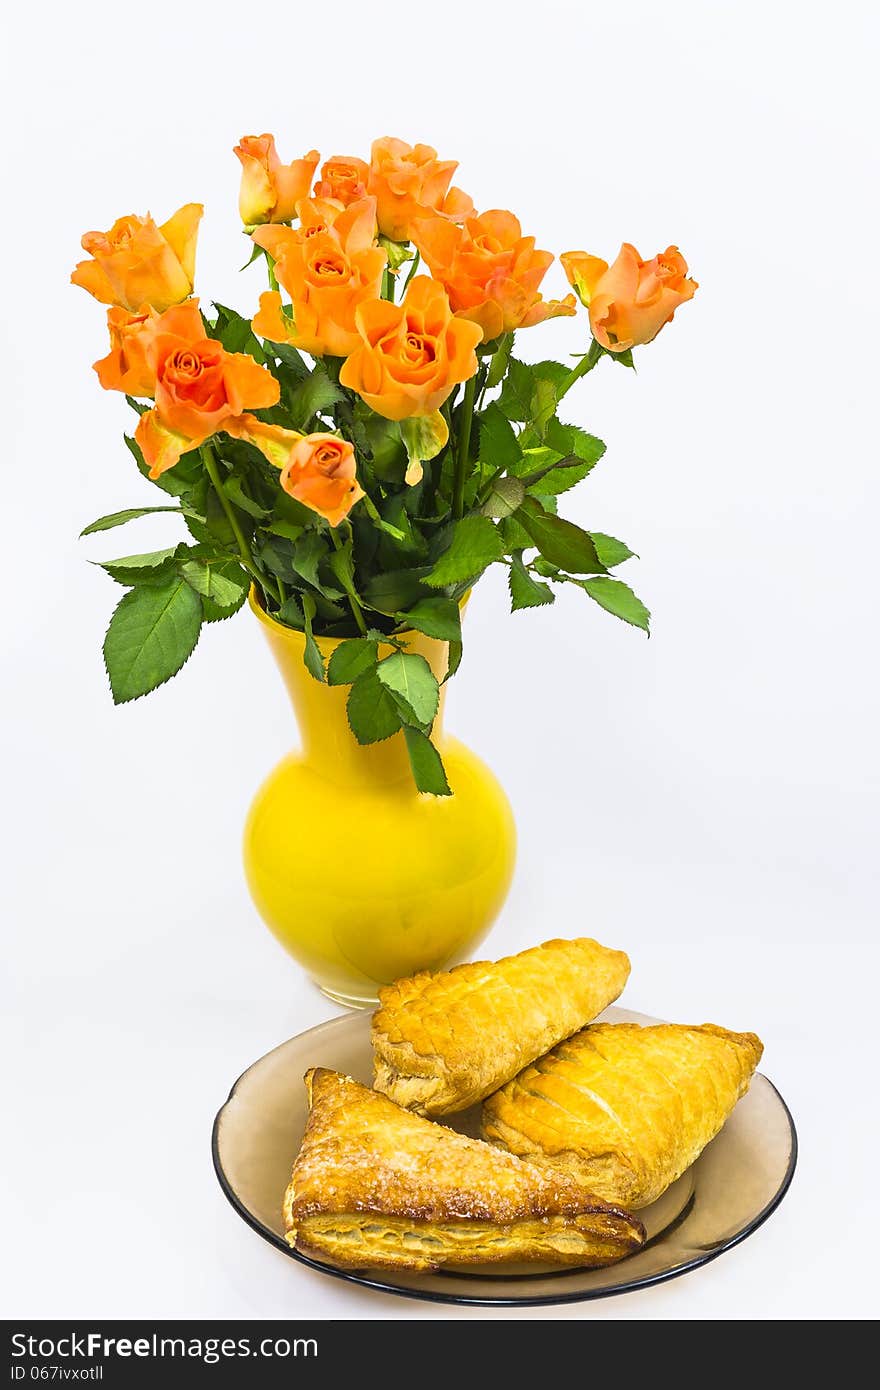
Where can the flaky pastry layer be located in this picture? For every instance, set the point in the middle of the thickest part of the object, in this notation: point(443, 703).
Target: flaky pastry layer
point(622, 1109)
point(375, 1184)
point(444, 1040)
point(377, 1242)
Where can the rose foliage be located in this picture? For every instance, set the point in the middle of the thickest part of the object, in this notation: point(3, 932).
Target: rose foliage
point(359, 449)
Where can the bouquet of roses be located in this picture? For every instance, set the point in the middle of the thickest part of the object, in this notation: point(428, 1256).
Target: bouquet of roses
point(364, 447)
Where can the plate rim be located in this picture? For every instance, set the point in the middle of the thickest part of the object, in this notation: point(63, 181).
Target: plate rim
point(473, 1300)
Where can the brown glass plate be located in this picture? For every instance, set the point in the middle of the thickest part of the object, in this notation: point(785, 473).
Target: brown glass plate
point(732, 1188)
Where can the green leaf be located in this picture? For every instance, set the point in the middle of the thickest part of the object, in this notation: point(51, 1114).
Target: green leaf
point(288, 529)
point(499, 361)
point(544, 401)
point(309, 550)
point(254, 256)
point(624, 358)
point(559, 541)
point(395, 590)
point(316, 393)
point(289, 356)
point(540, 566)
point(383, 441)
point(291, 613)
point(571, 439)
point(610, 550)
point(151, 635)
point(272, 554)
point(134, 569)
point(214, 613)
point(559, 478)
point(342, 565)
point(413, 685)
point(372, 709)
point(177, 480)
point(526, 592)
point(222, 583)
point(330, 612)
point(234, 490)
point(515, 400)
point(195, 512)
point(513, 535)
point(499, 447)
point(618, 598)
point(236, 334)
point(386, 526)
point(350, 660)
point(216, 521)
point(554, 372)
point(106, 523)
point(427, 765)
point(534, 461)
point(312, 658)
point(550, 379)
point(436, 617)
point(288, 509)
point(475, 544)
point(456, 651)
point(505, 496)
point(141, 407)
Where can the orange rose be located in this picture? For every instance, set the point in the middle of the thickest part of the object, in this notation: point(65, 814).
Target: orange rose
point(317, 469)
point(315, 215)
point(200, 389)
point(321, 474)
point(137, 264)
point(490, 270)
point(271, 190)
point(327, 274)
point(408, 182)
point(125, 368)
point(412, 354)
point(343, 179)
point(630, 301)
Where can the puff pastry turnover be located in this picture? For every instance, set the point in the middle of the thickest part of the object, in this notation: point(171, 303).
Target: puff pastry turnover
point(375, 1186)
point(624, 1109)
point(444, 1040)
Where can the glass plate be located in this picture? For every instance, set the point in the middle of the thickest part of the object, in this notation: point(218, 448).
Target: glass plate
point(738, 1180)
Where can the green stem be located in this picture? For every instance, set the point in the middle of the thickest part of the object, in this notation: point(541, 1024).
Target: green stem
point(387, 285)
point(464, 446)
point(482, 377)
point(357, 611)
point(586, 364)
point(273, 278)
point(244, 551)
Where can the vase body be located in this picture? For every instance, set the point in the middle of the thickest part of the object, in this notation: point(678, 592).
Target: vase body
point(361, 877)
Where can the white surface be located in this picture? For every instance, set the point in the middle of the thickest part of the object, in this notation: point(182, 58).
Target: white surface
point(706, 800)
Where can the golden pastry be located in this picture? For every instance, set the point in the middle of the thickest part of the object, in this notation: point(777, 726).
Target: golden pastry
point(444, 1040)
point(375, 1186)
point(623, 1109)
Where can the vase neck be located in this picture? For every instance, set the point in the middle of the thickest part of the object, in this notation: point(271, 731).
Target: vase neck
point(320, 709)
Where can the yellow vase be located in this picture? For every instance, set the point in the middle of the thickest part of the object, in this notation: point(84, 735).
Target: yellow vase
point(361, 877)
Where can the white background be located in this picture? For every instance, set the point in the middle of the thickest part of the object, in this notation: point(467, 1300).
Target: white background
point(705, 799)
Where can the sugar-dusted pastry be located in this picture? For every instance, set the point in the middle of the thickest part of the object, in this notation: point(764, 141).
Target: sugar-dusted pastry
point(443, 1040)
point(375, 1186)
point(623, 1109)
